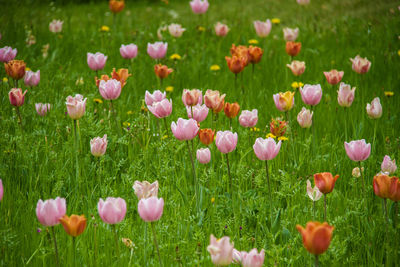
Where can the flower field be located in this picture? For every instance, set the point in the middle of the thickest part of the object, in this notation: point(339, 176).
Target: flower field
point(200, 133)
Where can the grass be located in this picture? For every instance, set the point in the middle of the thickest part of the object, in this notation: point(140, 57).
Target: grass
point(38, 162)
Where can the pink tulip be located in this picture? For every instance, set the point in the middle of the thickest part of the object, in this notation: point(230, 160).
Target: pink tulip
point(157, 50)
point(200, 112)
point(358, 150)
point(333, 77)
point(76, 106)
point(50, 211)
point(388, 165)
point(262, 28)
point(303, 2)
point(96, 61)
point(192, 97)
point(253, 258)
point(176, 30)
point(56, 26)
point(360, 65)
point(113, 210)
point(161, 109)
point(345, 95)
point(297, 67)
point(185, 129)
point(221, 29)
point(42, 109)
point(304, 118)
point(156, 96)
point(199, 6)
point(150, 209)
point(16, 97)
point(203, 155)
point(221, 251)
point(266, 149)
point(248, 118)
point(374, 110)
point(7, 54)
point(1, 190)
point(290, 35)
point(98, 146)
point(128, 51)
point(145, 189)
point(226, 141)
point(32, 78)
point(313, 193)
point(311, 94)
point(110, 89)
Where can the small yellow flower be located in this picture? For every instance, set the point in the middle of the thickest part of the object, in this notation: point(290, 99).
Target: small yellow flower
point(295, 85)
point(251, 129)
point(98, 101)
point(255, 129)
point(253, 41)
point(301, 84)
point(275, 21)
point(169, 89)
point(201, 29)
point(126, 124)
point(398, 52)
point(79, 81)
point(144, 109)
point(283, 138)
point(175, 57)
point(212, 199)
point(27, 69)
point(105, 28)
point(130, 112)
point(164, 137)
point(5, 80)
point(389, 93)
point(270, 135)
point(215, 68)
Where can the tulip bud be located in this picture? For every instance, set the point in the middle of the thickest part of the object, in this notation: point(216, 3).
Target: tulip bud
point(221, 251)
point(262, 28)
point(325, 181)
point(73, 225)
point(214, 101)
point(382, 183)
point(248, 118)
point(16, 97)
point(290, 34)
point(304, 118)
point(293, 48)
point(116, 6)
point(311, 94)
point(221, 29)
point(360, 65)
point(357, 150)
point(32, 78)
point(151, 209)
point(395, 189)
point(203, 155)
point(374, 110)
point(42, 109)
point(176, 30)
point(157, 50)
point(112, 210)
point(231, 110)
point(235, 64)
point(199, 6)
point(96, 61)
point(206, 136)
point(50, 211)
point(333, 77)
point(226, 141)
point(162, 71)
point(316, 236)
point(297, 67)
point(128, 51)
point(192, 97)
point(284, 101)
point(255, 54)
point(345, 95)
point(15, 69)
point(388, 165)
point(76, 106)
point(98, 146)
point(145, 189)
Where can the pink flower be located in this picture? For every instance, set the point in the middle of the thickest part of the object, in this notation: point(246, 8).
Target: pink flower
point(226, 141)
point(297, 67)
point(96, 61)
point(266, 149)
point(76, 106)
point(311, 94)
point(203, 155)
point(200, 112)
point(313, 193)
point(32, 78)
point(176, 30)
point(290, 35)
point(192, 97)
point(113, 210)
point(303, 2)
point(358, 150)
point(333, 77)
point(221, 251)
point(185, 129)
point(156, 96)
point(253, 258)
point(221, 29)
point(128, 51)
point(304, 118)
point(199, 6)
point(157, 50)
point(262, 28)
point(50, 211)
point(56, 26)
point(110, 89)
point(374, 110)
point(388, 165)
point(16, 97)
point(360, 65)
point(248, 118)
point(145, 189)
point(345, 95)
point(1, 190)
point(42, 109)
point(98, 146)
point(161, 109)
point(150, 209)
point(7, 54)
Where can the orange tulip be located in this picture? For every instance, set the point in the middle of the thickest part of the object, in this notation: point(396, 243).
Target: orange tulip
point(382, 185)
point(231, 110)
point(325, 181)
point(116, 6)
point(73, 225)
point(242, 52)
point(235, 64)
point(255, 54)
point(316, 236)
point(395, 189)
point(15, 69)
point(121, 75)
point(162, 71)
point(293, 48)
point(206, 136)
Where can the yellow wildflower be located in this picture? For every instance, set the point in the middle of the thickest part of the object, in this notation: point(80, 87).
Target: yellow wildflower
point(126, 124)
point(253, 41)
point(283, 138)
point(98, 101)
point(275, 21)
point(301, 84)
point(212, 199)
point(215, 68)
point(169, 89)
point(130, 112)
point(201, 29)
point(389, 93)
point(255, 129)
point(270, 135)
point(105, 28)
point(164, 137)
point(398, 52)
point(175, 57)
point(5, 80)
point(27, 69)
point(295, 85)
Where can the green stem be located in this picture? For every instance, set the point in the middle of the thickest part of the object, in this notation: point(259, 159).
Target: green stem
point(165, 125)
point(193, 171)
point(19, 118)
point(362, 176)
point(325, 207)
point(229, 174)
point(116, 239)
point(155, 243)
point(313, 209)
point(316, 261)
point(386, 212)
point(73, 251)
point(55, 246)
point(395, 215)
point(115, 118)
point(269, 190)
point(76, 154)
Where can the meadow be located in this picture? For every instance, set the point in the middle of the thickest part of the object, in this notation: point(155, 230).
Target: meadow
point(44, 157)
